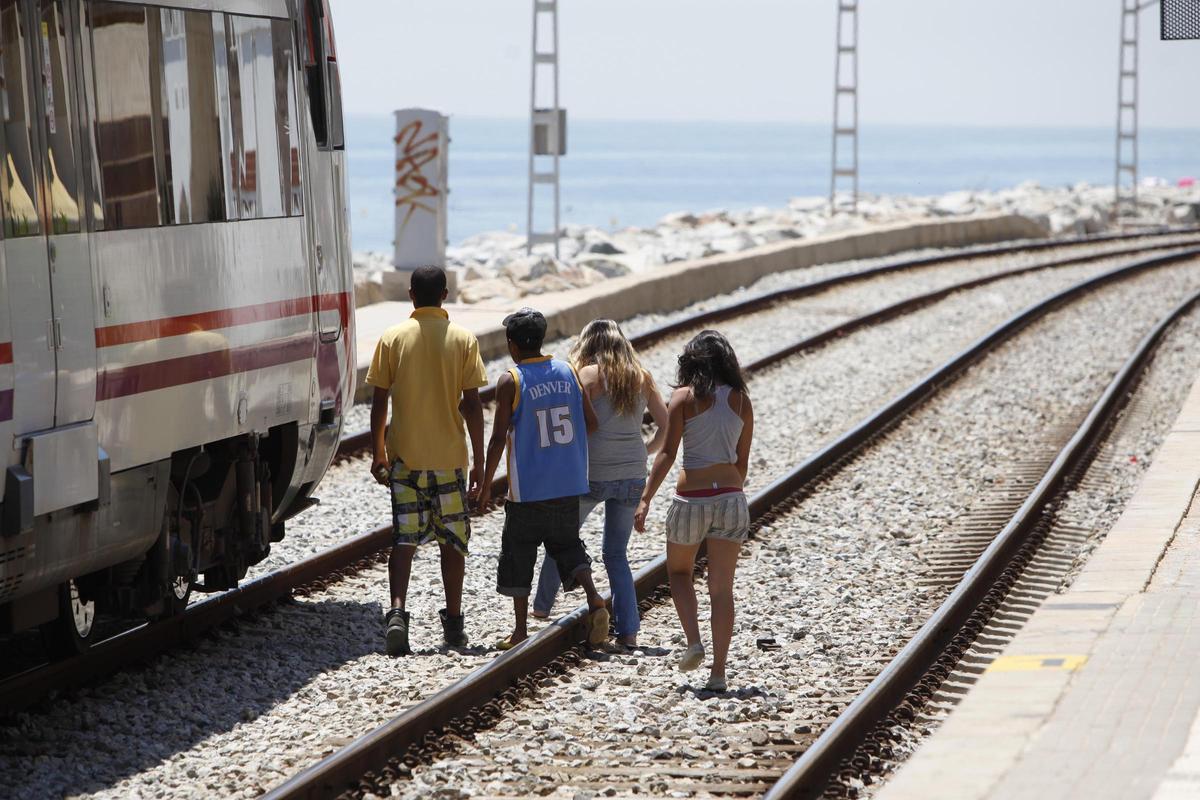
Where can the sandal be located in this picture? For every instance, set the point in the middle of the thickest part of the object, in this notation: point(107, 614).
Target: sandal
point(597, 625)
point(508, 644)
point(692, 657)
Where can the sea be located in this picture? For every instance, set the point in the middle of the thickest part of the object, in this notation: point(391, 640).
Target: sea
point(621, 174)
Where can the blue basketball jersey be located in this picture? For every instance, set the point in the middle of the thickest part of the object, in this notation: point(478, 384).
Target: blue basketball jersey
point(547, 443)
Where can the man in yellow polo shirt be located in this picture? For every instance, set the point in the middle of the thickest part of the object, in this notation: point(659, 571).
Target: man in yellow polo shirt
point(430, 370)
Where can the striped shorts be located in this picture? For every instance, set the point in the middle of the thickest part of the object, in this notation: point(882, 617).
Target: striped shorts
point(691, 520)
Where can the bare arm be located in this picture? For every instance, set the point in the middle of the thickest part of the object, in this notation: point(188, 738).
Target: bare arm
point(471, 408)
point(589, 414)
point(665, 458)
point(506, 392)
point(743, 446)
point(589, 381)
point(380, 468)
point(658, 412)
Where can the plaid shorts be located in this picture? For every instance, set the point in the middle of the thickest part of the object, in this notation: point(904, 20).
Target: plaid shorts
point(428, 505)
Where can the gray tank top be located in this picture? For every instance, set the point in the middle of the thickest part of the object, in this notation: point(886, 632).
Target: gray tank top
point(616, 450)
point(711, 437)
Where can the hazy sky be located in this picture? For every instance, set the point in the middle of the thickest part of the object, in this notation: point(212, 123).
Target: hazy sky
point(984, 62)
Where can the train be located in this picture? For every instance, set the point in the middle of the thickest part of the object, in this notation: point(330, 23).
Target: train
point(176, 312)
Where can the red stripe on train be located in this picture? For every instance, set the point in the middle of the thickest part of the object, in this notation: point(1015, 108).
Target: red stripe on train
point(125, 381)
point(5, 352)
point(132, 332)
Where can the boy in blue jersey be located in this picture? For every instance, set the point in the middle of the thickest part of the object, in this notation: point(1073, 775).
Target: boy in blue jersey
point(543, 416)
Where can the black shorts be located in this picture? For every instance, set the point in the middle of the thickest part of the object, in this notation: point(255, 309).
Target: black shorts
point(527, 526)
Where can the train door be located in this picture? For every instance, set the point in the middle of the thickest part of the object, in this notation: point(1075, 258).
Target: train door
point(46, 254)
point(66, 242)
point(326, 192)
point(27, 259)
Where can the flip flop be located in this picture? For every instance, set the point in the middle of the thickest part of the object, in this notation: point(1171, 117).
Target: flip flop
point(597, 625)
point(505, 644)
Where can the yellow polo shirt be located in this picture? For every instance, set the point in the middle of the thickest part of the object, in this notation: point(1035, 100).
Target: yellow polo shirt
point(426, 363)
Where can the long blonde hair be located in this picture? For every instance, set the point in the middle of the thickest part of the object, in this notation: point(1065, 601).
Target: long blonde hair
point(603, 344)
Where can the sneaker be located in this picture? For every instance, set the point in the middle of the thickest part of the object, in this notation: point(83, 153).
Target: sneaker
point(452, 629)
point(396, 622)
point(692, 657)
point(597, 624)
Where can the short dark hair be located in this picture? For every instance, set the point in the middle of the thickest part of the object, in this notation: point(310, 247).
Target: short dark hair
point(428, 284)
point(526, 328)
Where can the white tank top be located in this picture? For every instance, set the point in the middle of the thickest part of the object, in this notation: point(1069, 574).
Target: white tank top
point(711, 437)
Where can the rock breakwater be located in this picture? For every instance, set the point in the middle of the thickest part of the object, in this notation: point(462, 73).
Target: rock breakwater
point(495, 267)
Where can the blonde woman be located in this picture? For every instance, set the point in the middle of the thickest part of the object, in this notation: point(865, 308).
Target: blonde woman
point(621, 391)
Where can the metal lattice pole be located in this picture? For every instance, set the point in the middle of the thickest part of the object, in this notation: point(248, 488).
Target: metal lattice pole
point(1126, 176)
point(552, 119)
point(845, 104)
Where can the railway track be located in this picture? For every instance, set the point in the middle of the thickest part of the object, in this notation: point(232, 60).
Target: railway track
point(356, 442)
point(387, 754)
point(316, 572)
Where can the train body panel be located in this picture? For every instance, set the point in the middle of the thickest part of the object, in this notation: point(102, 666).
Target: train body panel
point(176, 325)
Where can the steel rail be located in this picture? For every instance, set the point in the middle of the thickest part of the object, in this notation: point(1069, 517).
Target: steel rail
point(344, 769)
point(24, 689)
point(358, 441)
point(820, 764)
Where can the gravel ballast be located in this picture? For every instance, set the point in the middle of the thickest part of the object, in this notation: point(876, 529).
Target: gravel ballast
point(835, 581)
point(241, 711)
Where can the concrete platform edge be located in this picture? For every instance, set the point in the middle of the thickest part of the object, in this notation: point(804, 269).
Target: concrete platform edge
point(986, 735)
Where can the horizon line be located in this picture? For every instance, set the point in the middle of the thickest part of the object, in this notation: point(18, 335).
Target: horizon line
point(798, 123)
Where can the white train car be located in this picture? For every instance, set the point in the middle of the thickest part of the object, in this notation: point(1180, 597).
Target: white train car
point(176, 323)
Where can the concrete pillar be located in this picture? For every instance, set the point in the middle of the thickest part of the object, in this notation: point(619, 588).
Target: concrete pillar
point(422, 151)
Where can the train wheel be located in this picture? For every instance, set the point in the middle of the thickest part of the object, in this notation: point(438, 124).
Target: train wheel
point(71, 633)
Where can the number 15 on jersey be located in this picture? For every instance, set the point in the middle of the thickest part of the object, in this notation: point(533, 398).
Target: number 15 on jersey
point(555, 426)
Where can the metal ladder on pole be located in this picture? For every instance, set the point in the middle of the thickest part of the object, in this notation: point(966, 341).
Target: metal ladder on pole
point(845, 105)
point(1126, 177)
point(538, 173)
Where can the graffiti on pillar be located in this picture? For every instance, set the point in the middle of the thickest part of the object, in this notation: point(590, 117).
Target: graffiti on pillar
point(415, 150)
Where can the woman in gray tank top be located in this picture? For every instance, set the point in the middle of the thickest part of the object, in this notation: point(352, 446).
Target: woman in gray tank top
point(621, 392)
point(710, 413)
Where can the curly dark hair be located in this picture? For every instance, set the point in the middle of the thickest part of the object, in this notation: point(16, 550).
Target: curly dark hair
point(708, 361)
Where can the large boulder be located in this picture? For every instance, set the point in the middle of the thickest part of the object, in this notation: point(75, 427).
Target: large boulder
point(529, 268)
point(596, 242)
point(494, 289)
point(1185, 214)
point(679, 219)
point(608, 267)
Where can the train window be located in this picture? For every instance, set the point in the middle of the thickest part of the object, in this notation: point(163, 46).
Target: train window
point(192, 139)
point(17, 188)
point(314, 70)
point(337, 134)
point(286, 119)
point(121, 47)
point(63, 150)
point(91, 169)
point(262, 184)
point(229, 115)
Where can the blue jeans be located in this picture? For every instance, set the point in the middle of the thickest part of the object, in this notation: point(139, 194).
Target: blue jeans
point(620, 500)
